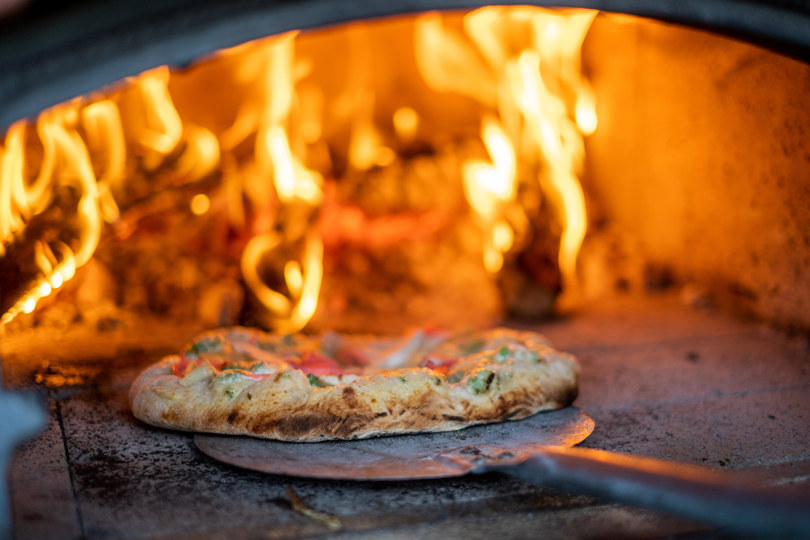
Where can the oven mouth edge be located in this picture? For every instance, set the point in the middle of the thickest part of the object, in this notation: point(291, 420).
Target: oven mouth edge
point(47, 59)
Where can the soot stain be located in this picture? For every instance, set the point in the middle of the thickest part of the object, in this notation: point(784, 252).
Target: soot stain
point(151, 478)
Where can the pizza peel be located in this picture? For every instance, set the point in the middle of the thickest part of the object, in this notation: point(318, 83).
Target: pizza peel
point(540, 450)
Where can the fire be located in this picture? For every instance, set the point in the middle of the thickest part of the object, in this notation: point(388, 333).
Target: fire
point(303, 283)
point(65, 160)
point(296, 186)
point(519, 64)
point(84, 152)
point(526, 53)
point(406, 123)
point(488, 188)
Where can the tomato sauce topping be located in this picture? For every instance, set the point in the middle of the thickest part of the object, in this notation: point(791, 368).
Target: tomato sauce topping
point(311, 363)
point(182, 367)
point(439, 363)
point(349, 356)
point(315, 363)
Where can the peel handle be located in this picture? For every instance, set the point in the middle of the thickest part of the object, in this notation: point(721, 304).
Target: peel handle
point(720, 498)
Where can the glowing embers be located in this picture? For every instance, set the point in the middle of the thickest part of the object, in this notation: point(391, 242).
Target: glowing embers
point(433, 158)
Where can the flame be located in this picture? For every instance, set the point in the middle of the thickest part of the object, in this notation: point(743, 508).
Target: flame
point(586, 112)
point(291, 178)
point(406, 123)
point(303, 281)
point(20, 199)
point(531, 55)
point(295, 186)
point(85, 146)
point(200, 204)
point(105, 135)
point(488, 187)
point(55, 275)
point(66, 160)
point(161, 128)
point(519, 64)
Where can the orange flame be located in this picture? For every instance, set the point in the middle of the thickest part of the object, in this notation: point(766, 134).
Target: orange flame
point(488, 187)
point(294, 184)
point(303, 282)
point(84, 148)
point(521, 64)
point(406, 123)
point(66, 160)
point(526, 52)
point(160, 129)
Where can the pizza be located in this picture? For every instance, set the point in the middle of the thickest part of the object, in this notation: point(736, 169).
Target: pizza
point(306, 388)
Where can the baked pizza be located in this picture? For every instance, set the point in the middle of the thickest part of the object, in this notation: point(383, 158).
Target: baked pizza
point(242, 381)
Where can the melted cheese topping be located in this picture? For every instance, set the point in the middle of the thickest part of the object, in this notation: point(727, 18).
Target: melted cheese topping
point(234, 357)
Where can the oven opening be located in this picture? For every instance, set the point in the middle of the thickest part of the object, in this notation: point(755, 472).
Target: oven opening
point(421, 170)
point(631, 188)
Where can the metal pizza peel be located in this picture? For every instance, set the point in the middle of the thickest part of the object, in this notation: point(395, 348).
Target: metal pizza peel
point(539, 449)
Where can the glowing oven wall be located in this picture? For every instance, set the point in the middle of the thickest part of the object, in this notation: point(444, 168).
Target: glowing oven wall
point(702, 158)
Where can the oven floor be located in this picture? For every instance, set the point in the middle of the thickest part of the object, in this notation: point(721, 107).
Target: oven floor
point(659, 378)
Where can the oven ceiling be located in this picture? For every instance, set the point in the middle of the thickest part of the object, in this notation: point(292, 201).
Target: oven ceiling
point(51, 53)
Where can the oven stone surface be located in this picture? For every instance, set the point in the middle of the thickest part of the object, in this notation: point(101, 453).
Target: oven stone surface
point(659, 379)
point(41, 490)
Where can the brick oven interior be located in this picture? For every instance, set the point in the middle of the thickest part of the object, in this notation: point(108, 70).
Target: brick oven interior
point(689, 324)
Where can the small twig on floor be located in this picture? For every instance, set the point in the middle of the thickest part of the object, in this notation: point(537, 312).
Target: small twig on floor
point(329, 521)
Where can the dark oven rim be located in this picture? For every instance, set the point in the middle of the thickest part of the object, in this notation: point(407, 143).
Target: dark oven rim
point(50, 56)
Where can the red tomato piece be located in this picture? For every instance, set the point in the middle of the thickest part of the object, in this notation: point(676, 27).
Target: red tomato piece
point(186, 364)
point(180, 367)
point(434, 361)
point(352, 357)
point(442, 364)
point(318, 364)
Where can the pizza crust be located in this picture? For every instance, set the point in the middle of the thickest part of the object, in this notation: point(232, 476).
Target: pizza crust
point(491, 385)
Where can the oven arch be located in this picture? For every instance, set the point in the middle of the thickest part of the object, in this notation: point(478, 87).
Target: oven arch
point(47, 58)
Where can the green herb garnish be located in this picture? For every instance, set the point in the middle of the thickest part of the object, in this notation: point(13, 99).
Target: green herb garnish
point(314, 381)
point(205, 345)
point(403, 380)
point(481, 383)
point(231, 376)
point(472, 347)
point(502, 354)
point(266, 346)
